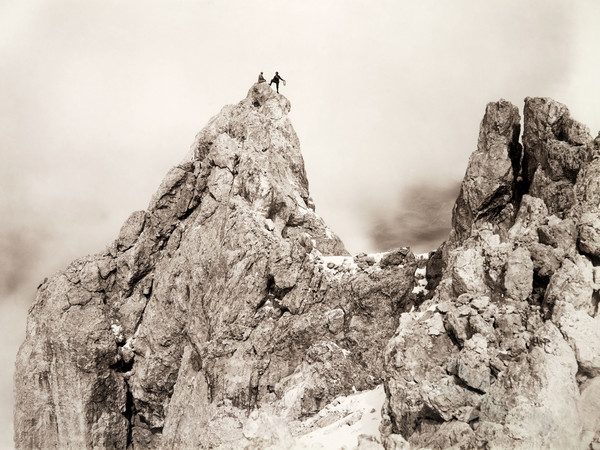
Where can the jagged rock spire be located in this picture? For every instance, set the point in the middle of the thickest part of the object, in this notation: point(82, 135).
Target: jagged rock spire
point(489, 184)
point(220, 299)
point(512, 329)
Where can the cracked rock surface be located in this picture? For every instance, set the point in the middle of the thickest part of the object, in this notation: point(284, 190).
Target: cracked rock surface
point(225, 307)
point(506, 352)
point(228, 315)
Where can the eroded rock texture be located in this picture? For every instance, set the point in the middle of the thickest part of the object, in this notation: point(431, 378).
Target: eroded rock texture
point(227, 315)
point(506, 353)
point(222, 313)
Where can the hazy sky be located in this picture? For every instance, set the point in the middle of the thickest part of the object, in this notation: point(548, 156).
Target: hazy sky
point(98, 99)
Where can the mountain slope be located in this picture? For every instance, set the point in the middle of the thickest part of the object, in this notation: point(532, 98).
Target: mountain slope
point(227, 315)
point(222, 298)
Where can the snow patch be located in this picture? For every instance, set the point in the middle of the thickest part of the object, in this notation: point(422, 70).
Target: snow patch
point(377, 256)
point(337, 260)
point(346, 418)
point(336, 266)
point(117, 331)
point(421, 272)
point(420, 287)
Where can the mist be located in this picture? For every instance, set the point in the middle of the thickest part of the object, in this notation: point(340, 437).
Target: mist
point(420, 219)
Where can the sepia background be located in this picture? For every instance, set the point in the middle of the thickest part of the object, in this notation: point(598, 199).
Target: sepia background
point(98, 99)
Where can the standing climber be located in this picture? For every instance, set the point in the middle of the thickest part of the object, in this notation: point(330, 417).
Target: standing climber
point(261, 79)
point(275, 80)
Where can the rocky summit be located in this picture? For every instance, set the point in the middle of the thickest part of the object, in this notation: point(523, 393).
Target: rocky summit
point(228, 315)
point(220, 317)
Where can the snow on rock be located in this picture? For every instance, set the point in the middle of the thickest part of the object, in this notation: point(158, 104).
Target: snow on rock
point(421, 281)
point(335, 265)
point(420, 287)
point(118, 332)
point(422, 256)
point(339, 424)
point(338, 261)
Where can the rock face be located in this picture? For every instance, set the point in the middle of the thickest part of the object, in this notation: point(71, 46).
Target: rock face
point(490, 177)
point(227, 315)
point(220, 315)
point(506, 352)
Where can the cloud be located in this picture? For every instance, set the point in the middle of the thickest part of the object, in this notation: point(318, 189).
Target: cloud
point(17, 255)
point(421, 219)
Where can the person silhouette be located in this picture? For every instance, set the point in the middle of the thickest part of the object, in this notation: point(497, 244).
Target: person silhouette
point(275, 80)
point(261, 79)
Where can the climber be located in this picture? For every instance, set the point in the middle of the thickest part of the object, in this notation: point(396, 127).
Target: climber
point(261, 79)
point(275, 80)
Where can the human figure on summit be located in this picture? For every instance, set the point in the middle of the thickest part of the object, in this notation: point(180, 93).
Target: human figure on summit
point(261, 79)
point(275, 80)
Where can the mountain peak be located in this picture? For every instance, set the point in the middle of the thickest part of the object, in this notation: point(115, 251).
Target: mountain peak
point(228, 294)
point(228, 315)
point(261, 93)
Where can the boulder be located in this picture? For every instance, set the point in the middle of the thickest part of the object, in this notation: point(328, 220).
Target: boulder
point(518, 278)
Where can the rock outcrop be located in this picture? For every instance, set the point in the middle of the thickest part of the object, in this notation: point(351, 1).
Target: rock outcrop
point(227, 315)
point(220, 315)
point(506, 352)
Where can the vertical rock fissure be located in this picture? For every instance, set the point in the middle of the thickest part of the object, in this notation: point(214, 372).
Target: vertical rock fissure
point(129, 414)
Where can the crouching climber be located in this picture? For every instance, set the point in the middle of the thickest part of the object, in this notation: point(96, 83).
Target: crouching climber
point(261, 79)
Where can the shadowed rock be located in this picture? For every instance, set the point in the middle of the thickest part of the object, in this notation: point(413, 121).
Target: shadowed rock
point(490, 180)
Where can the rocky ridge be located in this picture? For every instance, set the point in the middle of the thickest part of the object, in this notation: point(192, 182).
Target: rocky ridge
point(506, 353)
point(227, 315)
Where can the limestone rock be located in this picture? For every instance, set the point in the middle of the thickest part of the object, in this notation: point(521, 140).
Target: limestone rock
point(548, 124)
point(556, 147)
point(488, 184)
point(229, 295)
point(587, 193)
point(395, 257)
point(518, 278)
point(515, 291)
point(532, 214)
point(589, 234)
point(574, 311)
point(572, 283)
point(435, 392)
point(468, 272)
point(589, 405)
